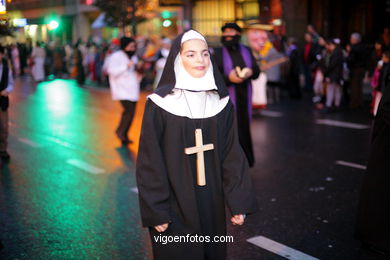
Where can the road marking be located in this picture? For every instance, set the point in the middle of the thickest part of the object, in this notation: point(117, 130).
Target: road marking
point(353, 165)
point(29, 142)
point(341, 124)
point(134, 189)
point(279, 249)
point(270, 113)
point(85, 166)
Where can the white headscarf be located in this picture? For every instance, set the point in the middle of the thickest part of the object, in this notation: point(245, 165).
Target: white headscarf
point(183, 79)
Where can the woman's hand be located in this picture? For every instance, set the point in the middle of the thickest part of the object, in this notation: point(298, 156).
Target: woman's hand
point(238, 219)
point(161, 228)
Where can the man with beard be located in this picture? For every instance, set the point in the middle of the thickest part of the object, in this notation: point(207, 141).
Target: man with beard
point(121, 68)
point(237, 64)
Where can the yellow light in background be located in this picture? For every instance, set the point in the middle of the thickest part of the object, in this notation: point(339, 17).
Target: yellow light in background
point(277, 22)
point(3, 8)
point(32, 29)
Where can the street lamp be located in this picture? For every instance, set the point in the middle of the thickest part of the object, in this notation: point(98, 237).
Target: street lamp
point(53, 24)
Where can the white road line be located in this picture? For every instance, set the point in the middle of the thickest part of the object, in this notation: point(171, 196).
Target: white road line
point(341, 124)
point(279, 249)
point(134, 189)
point(85, 166)
point(29, 142)
point(353, 165)
point(270, 113)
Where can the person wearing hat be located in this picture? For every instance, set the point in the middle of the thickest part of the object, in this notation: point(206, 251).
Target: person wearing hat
point(121, 68)
point(237, 64)
point(190, 162)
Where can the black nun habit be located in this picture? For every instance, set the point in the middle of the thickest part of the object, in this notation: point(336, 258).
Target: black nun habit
point(167, 176)
point(373, 218)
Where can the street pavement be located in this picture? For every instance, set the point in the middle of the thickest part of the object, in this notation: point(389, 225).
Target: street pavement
point(69, 189)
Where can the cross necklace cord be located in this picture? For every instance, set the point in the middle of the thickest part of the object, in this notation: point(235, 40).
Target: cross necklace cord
point(199, 148)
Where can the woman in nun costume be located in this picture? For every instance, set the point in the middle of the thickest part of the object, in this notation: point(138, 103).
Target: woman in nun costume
point(190, 162)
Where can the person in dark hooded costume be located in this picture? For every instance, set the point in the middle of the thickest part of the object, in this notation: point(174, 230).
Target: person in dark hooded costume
point(190, 162)
point(373, 218)
point(239, 67)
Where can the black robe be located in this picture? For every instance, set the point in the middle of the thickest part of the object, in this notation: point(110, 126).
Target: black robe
point(241, 97)
point(166, 179)
point(373, 220)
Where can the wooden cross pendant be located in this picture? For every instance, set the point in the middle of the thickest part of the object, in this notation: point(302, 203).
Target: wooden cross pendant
point(199, 148)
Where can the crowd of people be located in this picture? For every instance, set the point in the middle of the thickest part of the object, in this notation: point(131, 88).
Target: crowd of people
point(332, 70)
point(220, 83)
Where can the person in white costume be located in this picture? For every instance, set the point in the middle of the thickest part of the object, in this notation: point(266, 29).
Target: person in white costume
point(124, 80)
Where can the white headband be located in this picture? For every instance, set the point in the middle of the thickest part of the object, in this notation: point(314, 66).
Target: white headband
point(183, 79)
point(192, 35)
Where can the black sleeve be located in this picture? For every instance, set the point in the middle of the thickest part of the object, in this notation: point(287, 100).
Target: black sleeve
point(152, 180)
point(237, 184)
point(255, 68)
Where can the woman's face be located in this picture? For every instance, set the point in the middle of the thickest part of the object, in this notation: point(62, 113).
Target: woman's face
point(195, 57)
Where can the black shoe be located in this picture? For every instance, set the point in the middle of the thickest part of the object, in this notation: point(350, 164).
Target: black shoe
point(5, 157)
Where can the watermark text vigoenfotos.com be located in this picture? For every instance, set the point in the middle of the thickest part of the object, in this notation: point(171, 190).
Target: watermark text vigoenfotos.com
point(192, 239)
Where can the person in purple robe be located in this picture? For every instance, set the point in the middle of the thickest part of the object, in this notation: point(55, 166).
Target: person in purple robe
point(238, 66)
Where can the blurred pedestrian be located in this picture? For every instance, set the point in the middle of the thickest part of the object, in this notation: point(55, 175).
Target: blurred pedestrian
point(309, 57)
point(38, 62)
point(6, 86)
point(58, 59)
point(313, 33)
point(15, 59)
point(271, 61)
point(180, 193)
point(375, 56)
point(378, 81)
point(356, 64)
point(78, 64)
point(121, 68)
point(318, 70)
point(239, 67)
point(333, 72)
point(161, 60)
point(373, 218)
point(294, 65)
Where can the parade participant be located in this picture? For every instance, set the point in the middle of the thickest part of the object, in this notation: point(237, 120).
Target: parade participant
point(162, 59)
point(356, 63)
point(333, 72)
point(268, 58)
point(309, 60)
point(6, 86)
point(38, 59)
point(124, 83)
point(190, 162)
point(239, 67)
point(378, 81)
point(373, 220)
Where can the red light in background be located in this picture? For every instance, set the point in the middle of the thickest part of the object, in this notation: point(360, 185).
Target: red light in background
point(89, 2)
